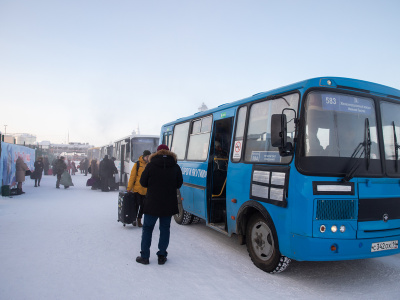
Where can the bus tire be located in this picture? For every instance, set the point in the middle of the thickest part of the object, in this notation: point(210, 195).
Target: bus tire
point(262, 245)
point(195, 219)
point(182, 217)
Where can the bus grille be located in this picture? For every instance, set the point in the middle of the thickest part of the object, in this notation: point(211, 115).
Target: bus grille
point(336, 210)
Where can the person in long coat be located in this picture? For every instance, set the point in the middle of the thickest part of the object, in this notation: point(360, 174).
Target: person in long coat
point(37, 174)
point(162, 177)
point(107, 169)
point(46, 165)
point(94, 169)
point(20, 170)
point(59, 167)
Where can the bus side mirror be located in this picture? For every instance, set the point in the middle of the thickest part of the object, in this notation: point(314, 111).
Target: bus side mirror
point(278, 130)
point(279, 135)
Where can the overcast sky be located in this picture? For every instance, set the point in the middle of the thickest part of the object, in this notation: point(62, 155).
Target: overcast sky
point(99, 69)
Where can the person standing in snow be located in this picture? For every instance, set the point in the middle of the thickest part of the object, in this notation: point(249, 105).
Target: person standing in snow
point(107, 169)
point(20, 171)
point(162, 177)
point(94, 168)
point(136, 188)
point(46, 165)
point(59, 167)
point(37, 174)
point(73, 169)
point(85, 165)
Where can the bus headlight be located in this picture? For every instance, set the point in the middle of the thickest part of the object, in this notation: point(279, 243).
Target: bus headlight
point(334, 228)
point(342, 228)
point(322, 228)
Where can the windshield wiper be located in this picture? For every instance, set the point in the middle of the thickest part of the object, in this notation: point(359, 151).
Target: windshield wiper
point(396, 148)
point(366, 148)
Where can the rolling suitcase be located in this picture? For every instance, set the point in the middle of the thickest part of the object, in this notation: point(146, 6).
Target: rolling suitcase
point(126, 208)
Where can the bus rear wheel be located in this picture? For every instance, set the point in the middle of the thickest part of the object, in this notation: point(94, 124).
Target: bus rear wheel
point(262, 245)
point(182, 217)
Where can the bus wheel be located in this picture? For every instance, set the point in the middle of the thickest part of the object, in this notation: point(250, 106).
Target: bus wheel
point(262, 245)
point(195, 220)
point(183, 217)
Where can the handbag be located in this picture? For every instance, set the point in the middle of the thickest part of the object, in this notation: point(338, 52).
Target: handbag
point(33, 175)
point(28, 172)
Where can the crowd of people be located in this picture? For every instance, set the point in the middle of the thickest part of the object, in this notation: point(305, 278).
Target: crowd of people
point(153, 180)
point(103, 174)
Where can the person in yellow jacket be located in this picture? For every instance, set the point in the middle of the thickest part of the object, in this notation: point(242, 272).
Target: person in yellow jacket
point(136, 188)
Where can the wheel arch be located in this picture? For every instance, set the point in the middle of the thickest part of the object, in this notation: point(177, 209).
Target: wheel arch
point(244, 214)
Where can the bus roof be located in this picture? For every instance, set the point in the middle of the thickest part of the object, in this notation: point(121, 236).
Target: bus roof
point(132, 136)
point(328, 82)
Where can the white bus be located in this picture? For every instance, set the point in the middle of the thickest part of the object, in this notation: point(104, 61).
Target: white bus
point(127, 151)
point(107, 150)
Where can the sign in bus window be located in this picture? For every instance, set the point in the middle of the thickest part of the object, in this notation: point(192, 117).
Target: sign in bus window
point(346, 103)
point(265, 156)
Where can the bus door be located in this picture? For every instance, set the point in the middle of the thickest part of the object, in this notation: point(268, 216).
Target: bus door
point(122, 170)
point(217, 172)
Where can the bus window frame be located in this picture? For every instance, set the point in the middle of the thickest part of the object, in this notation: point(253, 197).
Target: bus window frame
point(301, 161)
point(192, 121)
point(388, 165)
point(244, 142)
point(187, 139)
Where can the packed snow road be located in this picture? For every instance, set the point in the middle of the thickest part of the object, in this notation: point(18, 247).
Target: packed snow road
point(67, 244)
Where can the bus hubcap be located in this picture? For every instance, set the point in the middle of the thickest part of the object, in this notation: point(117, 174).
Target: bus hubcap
point(262, 241)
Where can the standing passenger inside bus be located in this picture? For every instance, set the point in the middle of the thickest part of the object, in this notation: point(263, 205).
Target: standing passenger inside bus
point(136, 188)
point(162, 177)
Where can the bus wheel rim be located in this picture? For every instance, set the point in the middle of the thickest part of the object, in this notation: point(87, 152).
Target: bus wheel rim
point(262, 241)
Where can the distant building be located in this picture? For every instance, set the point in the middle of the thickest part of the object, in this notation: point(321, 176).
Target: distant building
point(25, 139)
point(9, 139)
point(73, 149)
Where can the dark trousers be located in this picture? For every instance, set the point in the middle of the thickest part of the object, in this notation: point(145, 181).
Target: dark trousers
point(139, 199)
point(147, 233)
point(58, 180)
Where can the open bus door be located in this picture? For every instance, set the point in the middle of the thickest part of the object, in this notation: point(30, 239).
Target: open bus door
point(217, 173)
point(122, 158)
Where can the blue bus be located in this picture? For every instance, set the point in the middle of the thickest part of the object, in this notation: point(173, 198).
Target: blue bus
point(309, 171)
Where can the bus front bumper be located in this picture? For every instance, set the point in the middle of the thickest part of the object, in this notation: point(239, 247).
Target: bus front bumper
point(321, 249)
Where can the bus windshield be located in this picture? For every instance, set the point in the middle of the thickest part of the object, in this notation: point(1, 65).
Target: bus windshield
point(335, 125)
point(141, 144)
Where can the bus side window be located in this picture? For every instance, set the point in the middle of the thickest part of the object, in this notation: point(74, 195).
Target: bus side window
point(179, 143)
point(238, 142)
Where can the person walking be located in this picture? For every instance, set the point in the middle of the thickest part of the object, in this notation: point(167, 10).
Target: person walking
point(69, 166)
point(37, 174)
point(20, 171)
point(94, 168)
point(73, 169)
point(85, 165)
point(59, 167)
point(46, 165)
point(162, 177)
point(134, 186)
point(107, 169)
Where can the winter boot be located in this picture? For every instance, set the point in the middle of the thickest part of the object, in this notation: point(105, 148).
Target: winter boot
point(134, 223)
point(141, 260)
point(139, 223)
point(162, 259)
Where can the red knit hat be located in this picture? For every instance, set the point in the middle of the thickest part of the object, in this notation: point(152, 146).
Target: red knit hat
point(162, 147)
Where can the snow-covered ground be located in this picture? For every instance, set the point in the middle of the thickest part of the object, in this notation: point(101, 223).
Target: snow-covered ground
point(67, 244)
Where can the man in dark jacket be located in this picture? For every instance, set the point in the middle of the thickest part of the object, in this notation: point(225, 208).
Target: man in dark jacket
point(107, 169)
point(162, 177)
point(59, 167)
